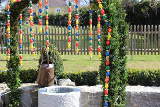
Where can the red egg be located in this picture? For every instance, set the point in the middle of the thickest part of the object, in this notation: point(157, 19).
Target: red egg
point(90, 33)
point(20, 41)
point(108, 42)
point(47, 17)
point(109, 29)
point(107, 63)
point(99, 50)
point(20, 57)
point(99, 0)
point(77, 44)
point(99, 30)
point(69, 22)
point(90, 49)
point(99, 18)
point(8, 6)
point(102, 12)
point(20, 16)
point(31, 41)
point(40, 22)
point(106, 92)
point(8, 24)
point(90, 22)
point(69, 9)
point(40, 3)
point(46, 1)
point(69, 40)
point(107, 79)
point(76, 16)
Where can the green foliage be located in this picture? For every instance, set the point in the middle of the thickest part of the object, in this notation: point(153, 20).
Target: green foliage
point(13, 79)
point(145, 12)
point(145, 77)
point(118, 76)
point(82, 78)
point(52, 57)
point(28, 76)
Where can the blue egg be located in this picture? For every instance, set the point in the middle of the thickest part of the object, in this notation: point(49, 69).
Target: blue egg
point(105, 104)
point(8, 40)
point(77, 34)
point(69, 27)
point(20, 46)
point(40, 10)
point(20, 21)
point(107, 73)
point(31, 29)
point(99, 36)
point(108, 23)
point(90, 38)
point(76, 6)
point(46, 33)
point(8, 13)
point(107, 53)
point(90, 11)
point(46, 7)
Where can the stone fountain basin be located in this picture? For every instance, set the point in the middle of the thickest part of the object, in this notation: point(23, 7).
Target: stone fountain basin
point(59, 96)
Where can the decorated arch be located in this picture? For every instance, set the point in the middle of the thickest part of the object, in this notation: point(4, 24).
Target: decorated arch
point(111, 35)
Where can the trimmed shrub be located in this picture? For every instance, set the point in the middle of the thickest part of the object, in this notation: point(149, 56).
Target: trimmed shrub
point(135, 77)
point(82, 78)
point(3, 77)
point(144, 77)
point(28, 76)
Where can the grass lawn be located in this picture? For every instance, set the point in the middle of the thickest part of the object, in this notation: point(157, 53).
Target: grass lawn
point(82, 63)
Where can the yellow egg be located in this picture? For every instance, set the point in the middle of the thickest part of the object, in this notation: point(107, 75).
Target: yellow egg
point(98, 25)
point(7, 58)
point(109, 37)
point(77, 22)
point(20, 62)
point(106, 86)
point(46, 22)
point(100, 6)
point(99, 55)
point(69, 45)
point(40, 30)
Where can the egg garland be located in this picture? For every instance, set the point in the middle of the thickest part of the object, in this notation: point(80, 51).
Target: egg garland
point(8, 31)
point(40, 16)
point(47, 23)
point(77, 27)
point(31, 23)
point(107, 54)
point(90, 35)
point(69, 24)
point(99, 35)
point(20, 38)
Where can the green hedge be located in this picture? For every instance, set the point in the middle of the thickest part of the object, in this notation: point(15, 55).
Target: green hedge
point(135, 77)
point(82, 78)
point(26, 76)
point(144, 77)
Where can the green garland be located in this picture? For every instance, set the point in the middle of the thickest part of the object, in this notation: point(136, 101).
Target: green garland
point(13, 64)
point(114, 52)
